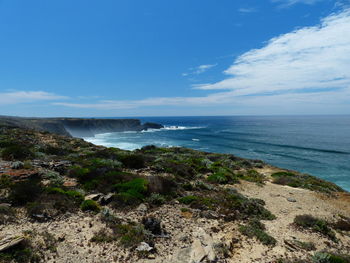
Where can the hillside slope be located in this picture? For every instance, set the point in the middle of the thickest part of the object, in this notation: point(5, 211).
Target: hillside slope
point(65, 200)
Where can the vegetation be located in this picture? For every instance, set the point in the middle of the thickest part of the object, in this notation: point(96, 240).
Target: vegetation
point(21, 253)
point(327, 257)
point(90, 205)
point(316, 225)
point(256, 229)
point(305, 181)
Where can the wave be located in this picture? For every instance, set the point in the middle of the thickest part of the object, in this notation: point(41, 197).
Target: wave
point(280, 145)
point(174, 128)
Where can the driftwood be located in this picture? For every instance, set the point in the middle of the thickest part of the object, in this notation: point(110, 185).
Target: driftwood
point(9, 242)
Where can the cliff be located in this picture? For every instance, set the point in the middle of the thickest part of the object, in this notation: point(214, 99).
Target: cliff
point(77, 127)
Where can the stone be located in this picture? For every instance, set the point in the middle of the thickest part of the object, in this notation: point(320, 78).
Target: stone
point(153, 225)
point(142, 208)
point(106, 199)
point(144, 247)
point(17, 165)
point(9, 242)
point(290, 199)
point(94, 197)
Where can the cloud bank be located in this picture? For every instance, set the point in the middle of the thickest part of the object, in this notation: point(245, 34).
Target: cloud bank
point(16, 97)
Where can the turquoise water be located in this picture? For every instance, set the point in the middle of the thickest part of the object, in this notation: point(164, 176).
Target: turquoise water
point(318, 145)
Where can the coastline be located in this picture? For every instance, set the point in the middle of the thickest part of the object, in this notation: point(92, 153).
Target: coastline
point(81, 201)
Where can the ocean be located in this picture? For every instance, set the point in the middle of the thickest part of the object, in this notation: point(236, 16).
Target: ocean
point(317, 145)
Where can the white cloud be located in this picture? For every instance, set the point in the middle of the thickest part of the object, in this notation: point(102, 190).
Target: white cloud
point(309, 58)
point(199, 70)
point(247, 10)
point(304, 70)
point(292, 2)
point(16, 97)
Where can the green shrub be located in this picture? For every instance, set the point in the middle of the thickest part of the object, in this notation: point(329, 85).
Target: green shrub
point(254, 176)
point(26, 191)
point(5, 181)
point(17, 152)
point(305, 181)
point(131, 235)
point(132, 161)
point(90, 205)
point(188, 199)
point(21, 253)
point(74, 195)
point(254, 228)
point(7, 214)
point(103, 236)
point(136, 187)
point(156, 199)
point(316, 225)
point(327, 257)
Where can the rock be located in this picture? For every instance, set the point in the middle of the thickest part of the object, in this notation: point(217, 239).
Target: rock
point(290, 199)
point(201, 250)
point(9, 242)
point(94, 197)
point(197, 252)
point(142, 208)
point(17, 165)
point(153, 225)
point(209, 214)
point(144, 247)
point(106, 199)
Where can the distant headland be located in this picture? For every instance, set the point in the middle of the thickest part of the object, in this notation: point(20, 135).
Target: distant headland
point(78, 127)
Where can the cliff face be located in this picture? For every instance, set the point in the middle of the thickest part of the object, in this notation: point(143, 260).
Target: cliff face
point(78, 127)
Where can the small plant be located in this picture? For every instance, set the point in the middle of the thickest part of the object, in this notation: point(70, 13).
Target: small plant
point(5, 181)
point(21, 253)
point(156, 199)
point(90, 205)
point(254, 228)
point(7, 214)
point(316, 225)
point(253, 176)
point(327, 257)
point(103, 236)
point(130, 235)
point(188, 199)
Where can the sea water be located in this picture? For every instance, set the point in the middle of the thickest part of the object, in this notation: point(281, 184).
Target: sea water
point(317, 145)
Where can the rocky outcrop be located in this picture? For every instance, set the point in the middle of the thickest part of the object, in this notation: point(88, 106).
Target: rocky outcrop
point(78, 127)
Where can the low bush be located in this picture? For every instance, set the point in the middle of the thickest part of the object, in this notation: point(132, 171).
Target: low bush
point(21, 253)
point(135, 186)
point(131, 235)
point(188, 199)
point(17, 152)
point(7, 214)
point(256, 229)
point(103, 236)
point(25, 191)
point(316, 225)
point(156, 199)
point(328, 257)
point(305, 181)
point(5, 181)
point(90, 205)
point(253, 176)
point(132, 161)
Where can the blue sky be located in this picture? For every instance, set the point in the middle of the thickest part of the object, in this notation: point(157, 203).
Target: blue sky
point(176, 58)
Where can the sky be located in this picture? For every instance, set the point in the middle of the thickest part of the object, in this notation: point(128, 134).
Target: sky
point(121, 58)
